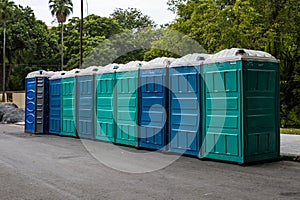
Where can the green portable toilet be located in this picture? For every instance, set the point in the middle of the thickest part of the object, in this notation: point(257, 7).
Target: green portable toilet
point(241, 106)
point(127, 77)
point(105, 103)
point(68, 104)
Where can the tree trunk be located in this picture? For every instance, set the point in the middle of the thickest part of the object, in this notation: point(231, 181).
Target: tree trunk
point(3, 81)
point(62, 46)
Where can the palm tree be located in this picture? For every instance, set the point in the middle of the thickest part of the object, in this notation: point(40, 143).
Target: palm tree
point(6, 13)
point(61, 9)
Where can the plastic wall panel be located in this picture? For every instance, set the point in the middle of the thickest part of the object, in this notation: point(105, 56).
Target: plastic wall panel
point(261, 112)
point(30, 111)
point(55, 106)
point(223, 112)
point(153, 108)
point(105, 107)
point(127, 108)
point(85, 106)
point(184, 112)
point(68, 107)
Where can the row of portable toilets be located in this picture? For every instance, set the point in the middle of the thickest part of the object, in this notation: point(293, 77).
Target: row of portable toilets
point(223, 106)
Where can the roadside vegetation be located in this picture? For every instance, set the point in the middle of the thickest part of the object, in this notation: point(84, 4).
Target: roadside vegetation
point(291, 131)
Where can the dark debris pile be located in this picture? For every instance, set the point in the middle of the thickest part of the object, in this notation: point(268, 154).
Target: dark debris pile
point(10, 113)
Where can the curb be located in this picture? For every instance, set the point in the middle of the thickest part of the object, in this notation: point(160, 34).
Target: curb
point(290, 157)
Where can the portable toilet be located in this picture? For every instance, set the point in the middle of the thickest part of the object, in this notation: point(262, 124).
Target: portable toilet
point(241, 101)
point(55, 103)
point(68, 103)
point(37, 102)
point(153, 104)
point(127, 84)
point(185, 104)
point(106, 103)
point(86, 102)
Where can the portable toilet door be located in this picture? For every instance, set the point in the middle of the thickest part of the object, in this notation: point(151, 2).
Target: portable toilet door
point(68, 105)
point(37, 102)
point(185, 104)
point(42, 105)
point(55, 103)
point(127, 103)
point(241, 97)
point(86, 103)
point(106, 103)
point(30, 111)
point(153, 104)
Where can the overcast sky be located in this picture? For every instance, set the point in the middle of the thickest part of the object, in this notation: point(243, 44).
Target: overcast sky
point(156, 9)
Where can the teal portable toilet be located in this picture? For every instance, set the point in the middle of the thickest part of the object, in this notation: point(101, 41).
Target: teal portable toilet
point(127, 88)
point(153, 104)
point(185, 104)
point(55, 103)
point(241, 106)
point(68, 103)
point(106, 103)
point(85, 99)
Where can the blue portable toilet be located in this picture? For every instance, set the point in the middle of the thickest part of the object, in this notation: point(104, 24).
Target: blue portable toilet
point(185, 103)
point(86, 103)
point(37, 102)
point(153, 105)
point(55, 103)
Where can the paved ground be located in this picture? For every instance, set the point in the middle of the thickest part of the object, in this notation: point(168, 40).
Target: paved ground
point(50, 167)
point(290, 145)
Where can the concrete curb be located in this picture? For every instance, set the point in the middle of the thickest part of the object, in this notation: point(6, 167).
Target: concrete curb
point(290, 157)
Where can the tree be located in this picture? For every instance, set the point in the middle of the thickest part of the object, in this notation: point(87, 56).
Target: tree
point(130, 45)
point(97, 30)
point(30, 46)
point(172, 44)
point(61, 9)
point(132, 19)
point(271, 26)
point(174, 4)
point(6, 13)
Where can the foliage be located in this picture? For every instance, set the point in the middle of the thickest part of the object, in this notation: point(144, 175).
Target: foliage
point(290, 131)
point(132, 19)
point(271, 26)
point(29, 43)
point(96, 30)
point(174, 4)
point(173, 44)
point(61, 9)
point(7, 9)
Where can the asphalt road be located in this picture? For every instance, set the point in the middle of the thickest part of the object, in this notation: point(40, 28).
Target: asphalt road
point(51, 167)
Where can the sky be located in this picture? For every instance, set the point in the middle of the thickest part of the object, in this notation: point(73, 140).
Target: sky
point(156, 9)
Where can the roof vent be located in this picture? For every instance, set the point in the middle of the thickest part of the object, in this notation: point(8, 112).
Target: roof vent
point(199, 58)
point(116, 67)
point(240, 52)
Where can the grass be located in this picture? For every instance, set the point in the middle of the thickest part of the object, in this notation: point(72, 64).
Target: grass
point(291, 131)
